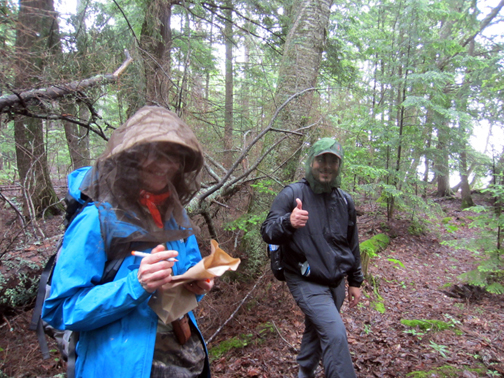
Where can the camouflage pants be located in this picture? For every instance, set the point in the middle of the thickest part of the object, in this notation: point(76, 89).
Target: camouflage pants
point(172, 360)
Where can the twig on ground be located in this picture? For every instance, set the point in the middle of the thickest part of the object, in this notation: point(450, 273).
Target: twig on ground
point(279, 334)
point(7, 322)
point(236, 310)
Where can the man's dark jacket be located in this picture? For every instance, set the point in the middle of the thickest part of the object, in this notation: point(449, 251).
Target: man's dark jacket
point(329, 241)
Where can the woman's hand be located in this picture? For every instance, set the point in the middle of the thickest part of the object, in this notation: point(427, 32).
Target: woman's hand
point(200, 287)
point(155, 270)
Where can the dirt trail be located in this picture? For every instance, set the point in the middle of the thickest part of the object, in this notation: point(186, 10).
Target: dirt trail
point(414, 277)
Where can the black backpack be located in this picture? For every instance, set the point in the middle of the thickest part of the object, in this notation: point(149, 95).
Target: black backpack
point(66, 340)
point(275, 256)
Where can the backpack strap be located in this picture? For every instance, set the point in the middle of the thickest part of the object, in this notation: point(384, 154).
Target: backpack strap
point(111, 269)
point(44, 278)
point(72, 354)
point(343, 194)
point(36, 324)
point(36, 321)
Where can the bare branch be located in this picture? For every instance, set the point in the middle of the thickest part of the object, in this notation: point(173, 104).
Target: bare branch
point(69, 118)
point(211, 172)
point(18, 212)
point(211, 160)
point(263, 156)
point(56, 91)
point(287, 131)
point(483, 24)
point(247, 149)
point(125, 64)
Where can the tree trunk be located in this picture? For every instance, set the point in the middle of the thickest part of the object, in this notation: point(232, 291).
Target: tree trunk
point(298, 71)
point(36, 35)
point(466, 190)
point(77, 137)
point(156, 41)
point(228, 106)
point(441, 164)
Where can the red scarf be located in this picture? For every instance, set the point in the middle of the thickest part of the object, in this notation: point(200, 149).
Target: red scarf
point(152, 201)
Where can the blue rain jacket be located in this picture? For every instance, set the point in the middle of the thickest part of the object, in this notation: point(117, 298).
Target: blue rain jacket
point(117, 328)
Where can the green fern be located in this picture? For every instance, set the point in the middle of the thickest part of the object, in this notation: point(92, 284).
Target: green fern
point(474, 277)
point(495, 288)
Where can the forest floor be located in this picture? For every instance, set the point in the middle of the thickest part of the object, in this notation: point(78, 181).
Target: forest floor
point(254, 327)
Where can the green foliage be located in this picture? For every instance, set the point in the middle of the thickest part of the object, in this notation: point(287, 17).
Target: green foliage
point(263, 332)
point(489, 274)
point(445, 371)
point(235, 342)
point(367, 329)
point(395, 261)
point(7, 154)
point(249, 224)
point(416, 228)
point(26, 287)
point(374, 245)
point(414, 332)
point(370, 249)
point(442, 349)
point(450, 228)
point(265, 187)
point(379, 306)
point(428, 325)
point(379, 303)
point(246, 222)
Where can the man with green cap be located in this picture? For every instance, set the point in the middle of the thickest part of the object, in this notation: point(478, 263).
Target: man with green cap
point(315, 223)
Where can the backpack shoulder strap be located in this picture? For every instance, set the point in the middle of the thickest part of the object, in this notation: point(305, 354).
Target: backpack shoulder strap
point(111, 269)
point(44, 279)
point(346, 197)
point(36, 321)
point(297, 190)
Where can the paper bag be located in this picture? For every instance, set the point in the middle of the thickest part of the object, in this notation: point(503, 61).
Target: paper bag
point(173, 300)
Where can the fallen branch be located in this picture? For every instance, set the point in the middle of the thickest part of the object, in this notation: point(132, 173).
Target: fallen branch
point(56, 91)
point(18, 212)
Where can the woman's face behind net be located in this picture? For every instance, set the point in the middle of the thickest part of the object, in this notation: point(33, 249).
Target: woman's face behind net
point(158, 166)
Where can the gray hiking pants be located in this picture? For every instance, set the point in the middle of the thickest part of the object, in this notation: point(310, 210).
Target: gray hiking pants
point(325, 333)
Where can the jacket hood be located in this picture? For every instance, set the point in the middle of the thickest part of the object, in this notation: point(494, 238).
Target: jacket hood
point(323, 146)
point(155, 125)
point(151, 133)
point(118, 178)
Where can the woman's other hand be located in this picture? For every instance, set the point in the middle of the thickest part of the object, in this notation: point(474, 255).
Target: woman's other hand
point(155, 270)
point(200, 287)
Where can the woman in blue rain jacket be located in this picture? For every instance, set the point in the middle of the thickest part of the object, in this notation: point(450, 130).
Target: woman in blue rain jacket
point(119, 334)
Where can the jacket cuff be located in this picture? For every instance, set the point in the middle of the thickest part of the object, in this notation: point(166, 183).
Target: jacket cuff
point(354, 283)
point(286, 223)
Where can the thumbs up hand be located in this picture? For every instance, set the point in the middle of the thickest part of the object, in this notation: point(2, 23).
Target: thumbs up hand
point(299, 217)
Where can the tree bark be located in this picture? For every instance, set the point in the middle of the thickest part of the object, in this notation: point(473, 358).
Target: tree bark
point(466, 190)
point(298, 71)
point(77, 136)
point(156, 43)
point(441, 162)
point(36, 35)
point(228, 106)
